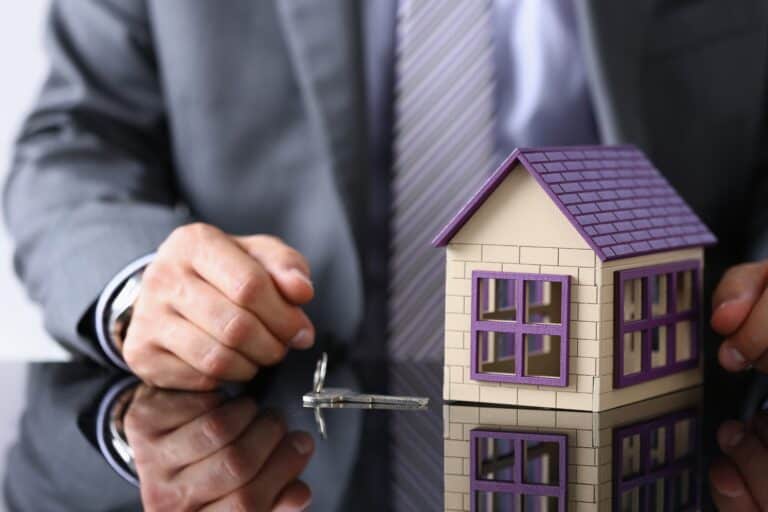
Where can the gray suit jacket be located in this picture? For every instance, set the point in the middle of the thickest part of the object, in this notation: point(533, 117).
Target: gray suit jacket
point(250, 115)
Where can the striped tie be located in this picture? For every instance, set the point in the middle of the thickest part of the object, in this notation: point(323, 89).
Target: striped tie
point(443, 150)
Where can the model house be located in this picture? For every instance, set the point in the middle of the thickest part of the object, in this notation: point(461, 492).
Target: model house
point(573, 281)
point(642, 456)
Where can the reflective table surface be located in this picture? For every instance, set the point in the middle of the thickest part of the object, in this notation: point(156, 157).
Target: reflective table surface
point(101, 441)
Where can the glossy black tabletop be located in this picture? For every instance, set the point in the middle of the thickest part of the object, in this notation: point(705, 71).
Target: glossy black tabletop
point(74, 451)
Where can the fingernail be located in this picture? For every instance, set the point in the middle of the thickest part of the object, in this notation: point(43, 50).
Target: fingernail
point(301, 275)
point(732, 356)
point(302, 443)
point(735, 438)
point(736, 356)
point(302, 339)
point(731, 493)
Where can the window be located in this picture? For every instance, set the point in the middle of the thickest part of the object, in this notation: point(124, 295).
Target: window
point(513, 471)
point(655, 464)
point(520, 328)
point(657, 322)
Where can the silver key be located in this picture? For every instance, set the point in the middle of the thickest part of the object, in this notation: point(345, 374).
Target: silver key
point(342, 397)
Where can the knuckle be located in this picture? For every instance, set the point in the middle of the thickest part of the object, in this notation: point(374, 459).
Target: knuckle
point(251, 286)
point(217, 361)
point(235, 463)
point(238, 330)
point(273, 354)
point(243, 501)
point(215, 429)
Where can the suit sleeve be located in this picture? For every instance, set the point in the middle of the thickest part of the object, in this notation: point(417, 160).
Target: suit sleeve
point(91, 186)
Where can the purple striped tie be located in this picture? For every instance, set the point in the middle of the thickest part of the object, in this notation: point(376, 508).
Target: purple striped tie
point(443, 150)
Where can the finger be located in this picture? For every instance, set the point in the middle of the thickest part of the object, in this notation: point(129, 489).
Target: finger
point(234, 465)
point(750, 341)
point(246, 282)
point(157, 411)
point(275, 488)
point(284, 465)
point(729, 492)
point(735, 295)
point(159, 368)
point(207, 433)
point(749, 455)
point(228, 323)
point(288, 267)
point(296, 496)
point(203, 353)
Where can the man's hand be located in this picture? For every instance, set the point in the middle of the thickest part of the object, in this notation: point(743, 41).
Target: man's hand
point(739, 478)
point(196, 451)
point(215, 307)
point(740, 314)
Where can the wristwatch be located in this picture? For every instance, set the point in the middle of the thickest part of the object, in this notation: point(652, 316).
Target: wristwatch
point(121, 309)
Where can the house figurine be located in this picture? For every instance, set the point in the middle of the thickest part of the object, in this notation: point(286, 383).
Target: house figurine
point(642, 456)
point(573, 281)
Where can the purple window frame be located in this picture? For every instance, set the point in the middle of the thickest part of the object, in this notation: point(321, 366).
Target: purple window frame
point(518, 328)
point(667, 471)
point(648, 322)
point(477, 484)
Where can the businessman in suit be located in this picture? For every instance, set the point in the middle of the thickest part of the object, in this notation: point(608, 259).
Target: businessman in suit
point(196, 160)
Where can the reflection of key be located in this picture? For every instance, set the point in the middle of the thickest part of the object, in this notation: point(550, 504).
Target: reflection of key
point(339, 397)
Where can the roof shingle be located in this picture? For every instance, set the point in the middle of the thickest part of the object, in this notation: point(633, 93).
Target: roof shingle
point(613, 195)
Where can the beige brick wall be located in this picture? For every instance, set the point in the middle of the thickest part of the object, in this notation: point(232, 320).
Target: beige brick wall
point(608, 397)
point(589, 443)
point(580, 264)
point(590, 379)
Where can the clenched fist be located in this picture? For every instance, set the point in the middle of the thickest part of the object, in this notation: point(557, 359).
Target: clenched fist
point(215, 307)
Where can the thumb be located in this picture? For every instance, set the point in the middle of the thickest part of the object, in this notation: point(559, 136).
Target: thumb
point(736, 294)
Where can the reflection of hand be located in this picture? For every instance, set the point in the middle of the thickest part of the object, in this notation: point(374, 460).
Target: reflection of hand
point(216, 307)
point(194, 451)
point(740, 314)
point(740, 479)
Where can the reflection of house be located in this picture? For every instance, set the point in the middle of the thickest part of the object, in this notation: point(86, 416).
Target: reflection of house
point(572, 281)
point(637, 457)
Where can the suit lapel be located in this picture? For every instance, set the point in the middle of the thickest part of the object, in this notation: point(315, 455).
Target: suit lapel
point(323, 40)
point(613, 36)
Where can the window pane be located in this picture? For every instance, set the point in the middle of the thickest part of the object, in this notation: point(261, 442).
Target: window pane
point(659, 295)
point(497, 502)
point(633, 349)
point(656, 496)
point(543, 302)
point(682, 434)
point(633, 299)
point(684, 291)
point(540, 503)
point(541, 462)
point(659, 346)
point(542, 355)
point(630, 453)
point(683, 341)
point(681, 489)
point(630, 500)
point(496, 299)
point(496, 352)
point(658, 447)
point(495, 459)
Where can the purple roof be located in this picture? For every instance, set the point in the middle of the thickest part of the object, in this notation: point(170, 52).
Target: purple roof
point(613, 196)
